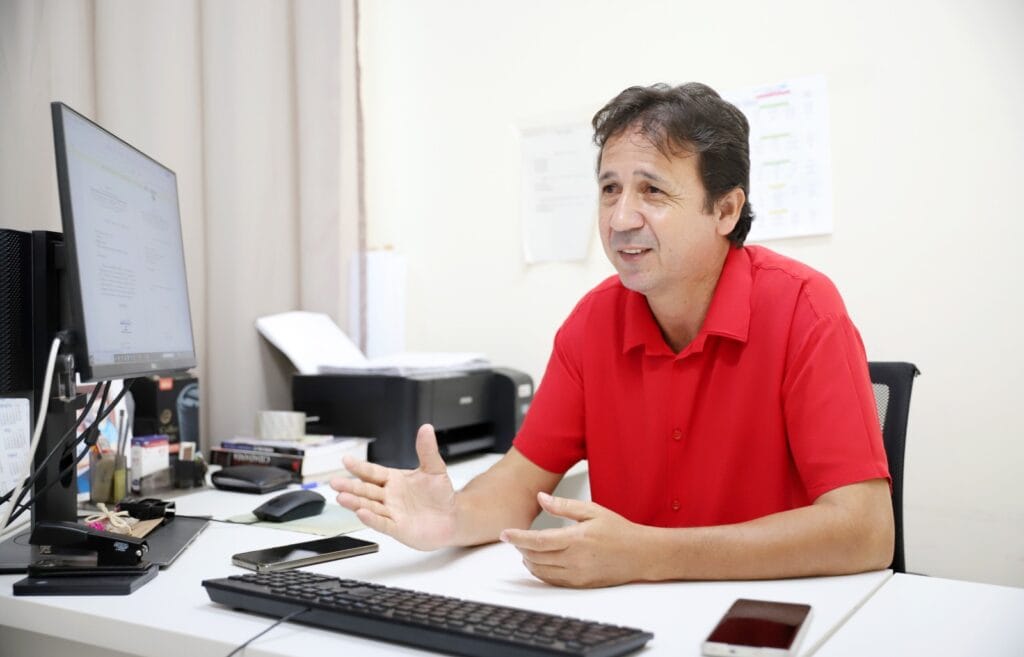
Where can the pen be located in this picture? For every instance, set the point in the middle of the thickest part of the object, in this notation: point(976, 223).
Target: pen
point(119, 428)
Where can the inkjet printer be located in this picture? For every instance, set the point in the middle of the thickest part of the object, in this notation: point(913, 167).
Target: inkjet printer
point(472, 411)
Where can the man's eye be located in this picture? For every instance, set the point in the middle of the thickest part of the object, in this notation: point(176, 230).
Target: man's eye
point(610, 188)
point(653, 190)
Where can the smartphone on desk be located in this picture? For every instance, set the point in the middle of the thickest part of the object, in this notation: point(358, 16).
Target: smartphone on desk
point(308, 553)
point(759, 628)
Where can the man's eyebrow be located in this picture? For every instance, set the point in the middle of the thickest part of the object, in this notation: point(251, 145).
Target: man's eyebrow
point(649, 175)
point(641, 173)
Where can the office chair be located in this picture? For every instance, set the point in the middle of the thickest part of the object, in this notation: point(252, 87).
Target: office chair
point(892, 383)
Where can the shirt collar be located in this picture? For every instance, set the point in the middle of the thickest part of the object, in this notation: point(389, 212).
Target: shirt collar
point(728, 315)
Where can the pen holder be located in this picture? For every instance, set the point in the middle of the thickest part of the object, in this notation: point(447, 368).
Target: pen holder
point(189, 473)
point(108, 478)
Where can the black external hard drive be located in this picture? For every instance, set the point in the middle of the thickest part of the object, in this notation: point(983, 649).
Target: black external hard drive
point(67, 583)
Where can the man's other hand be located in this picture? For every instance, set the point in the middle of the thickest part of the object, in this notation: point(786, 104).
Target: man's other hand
point(599, 550)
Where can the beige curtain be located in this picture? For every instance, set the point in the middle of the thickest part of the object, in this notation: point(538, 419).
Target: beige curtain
point(249, 102)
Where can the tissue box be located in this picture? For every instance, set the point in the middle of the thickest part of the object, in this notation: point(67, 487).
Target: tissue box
point(150, 460)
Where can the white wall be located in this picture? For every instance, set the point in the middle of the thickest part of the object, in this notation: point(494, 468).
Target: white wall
point(927, 154)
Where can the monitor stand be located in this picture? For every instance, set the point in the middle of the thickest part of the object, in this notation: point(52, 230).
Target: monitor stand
point(55, 497)
point(60, 501)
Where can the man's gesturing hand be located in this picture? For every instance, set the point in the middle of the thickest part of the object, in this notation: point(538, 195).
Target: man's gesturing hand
point(599, 550)
point(416, 507)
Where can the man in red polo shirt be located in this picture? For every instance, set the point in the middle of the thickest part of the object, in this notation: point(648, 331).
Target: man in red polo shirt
point(719, 392)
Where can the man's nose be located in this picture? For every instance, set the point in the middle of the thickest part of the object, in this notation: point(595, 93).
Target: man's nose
point(626, 214)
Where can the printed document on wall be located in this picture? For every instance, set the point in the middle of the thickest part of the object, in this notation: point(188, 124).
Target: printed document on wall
point(790, 157)
point(559, 192)
point(14, 442)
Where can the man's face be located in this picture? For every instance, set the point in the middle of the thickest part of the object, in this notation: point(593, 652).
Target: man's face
point(653, 225)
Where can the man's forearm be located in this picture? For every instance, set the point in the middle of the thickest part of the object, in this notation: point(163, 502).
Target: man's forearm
point(481, 515)
point(821, 539)
point(502, 497)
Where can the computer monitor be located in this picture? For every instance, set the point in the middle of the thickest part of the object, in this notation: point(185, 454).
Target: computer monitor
point(125, 258)
point(113, 287)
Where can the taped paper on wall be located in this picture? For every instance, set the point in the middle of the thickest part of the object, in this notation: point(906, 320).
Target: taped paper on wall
point(559, 192)
point(15, 438)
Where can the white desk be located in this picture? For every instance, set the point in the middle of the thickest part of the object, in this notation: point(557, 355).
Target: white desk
point(172, 615)
point(914, 615)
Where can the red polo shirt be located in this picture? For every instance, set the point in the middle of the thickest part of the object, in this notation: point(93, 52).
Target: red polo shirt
point(766, 409)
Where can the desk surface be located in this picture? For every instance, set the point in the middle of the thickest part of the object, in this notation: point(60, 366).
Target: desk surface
point(174, 610)
point(914, 615)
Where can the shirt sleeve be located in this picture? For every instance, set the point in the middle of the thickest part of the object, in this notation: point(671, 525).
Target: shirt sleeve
point(552, 435)
point(829, 405)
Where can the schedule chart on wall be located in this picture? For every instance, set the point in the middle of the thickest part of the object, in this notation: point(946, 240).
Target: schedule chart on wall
point(790, 157)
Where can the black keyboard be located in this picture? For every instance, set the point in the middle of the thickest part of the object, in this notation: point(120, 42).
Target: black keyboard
point(423, 620)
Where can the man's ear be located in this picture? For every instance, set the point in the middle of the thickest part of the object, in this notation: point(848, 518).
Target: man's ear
point(727, 210)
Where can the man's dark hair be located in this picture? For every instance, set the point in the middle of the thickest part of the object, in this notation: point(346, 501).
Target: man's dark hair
point(690, 118)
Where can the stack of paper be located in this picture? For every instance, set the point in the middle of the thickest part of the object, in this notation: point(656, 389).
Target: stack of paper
point(315, 345)
point(413, 363)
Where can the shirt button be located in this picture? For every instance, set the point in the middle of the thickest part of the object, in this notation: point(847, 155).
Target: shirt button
point(677, 435)
point(675, 505)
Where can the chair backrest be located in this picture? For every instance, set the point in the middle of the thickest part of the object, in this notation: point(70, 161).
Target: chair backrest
point(892, 383)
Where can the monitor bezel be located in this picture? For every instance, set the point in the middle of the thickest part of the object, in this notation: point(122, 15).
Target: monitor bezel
point(88, 371)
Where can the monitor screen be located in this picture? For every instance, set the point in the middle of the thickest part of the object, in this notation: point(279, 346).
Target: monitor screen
point(124, 254)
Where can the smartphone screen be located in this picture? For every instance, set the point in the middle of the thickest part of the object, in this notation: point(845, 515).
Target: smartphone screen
point(758, 624)
point(297, 555)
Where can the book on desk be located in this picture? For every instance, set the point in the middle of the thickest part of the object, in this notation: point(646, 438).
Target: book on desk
point(310, 459)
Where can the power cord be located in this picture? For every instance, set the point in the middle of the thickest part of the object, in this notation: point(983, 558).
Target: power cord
point(102, 414)
point(43, 406)
point(283, 619)
point(20, 506)
point(208, 518)
point(60, 443)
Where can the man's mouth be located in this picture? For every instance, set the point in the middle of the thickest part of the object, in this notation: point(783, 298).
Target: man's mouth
point(633, 252)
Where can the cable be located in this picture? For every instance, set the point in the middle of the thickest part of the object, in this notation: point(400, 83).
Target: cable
point(44, 404)
point(209, 518)
point(283, 619)
point(60, 443)
point(101, 415)
point(16, 527)
point(27, 485)
point(74, 427)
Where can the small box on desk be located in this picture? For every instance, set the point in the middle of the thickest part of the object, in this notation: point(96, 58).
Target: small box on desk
point(169, 406)
point(150, 464)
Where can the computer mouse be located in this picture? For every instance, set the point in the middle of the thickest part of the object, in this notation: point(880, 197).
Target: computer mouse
point(292, 505)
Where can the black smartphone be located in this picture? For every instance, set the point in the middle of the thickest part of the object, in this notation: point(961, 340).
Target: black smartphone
point(308, 553)
point(759, 627)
